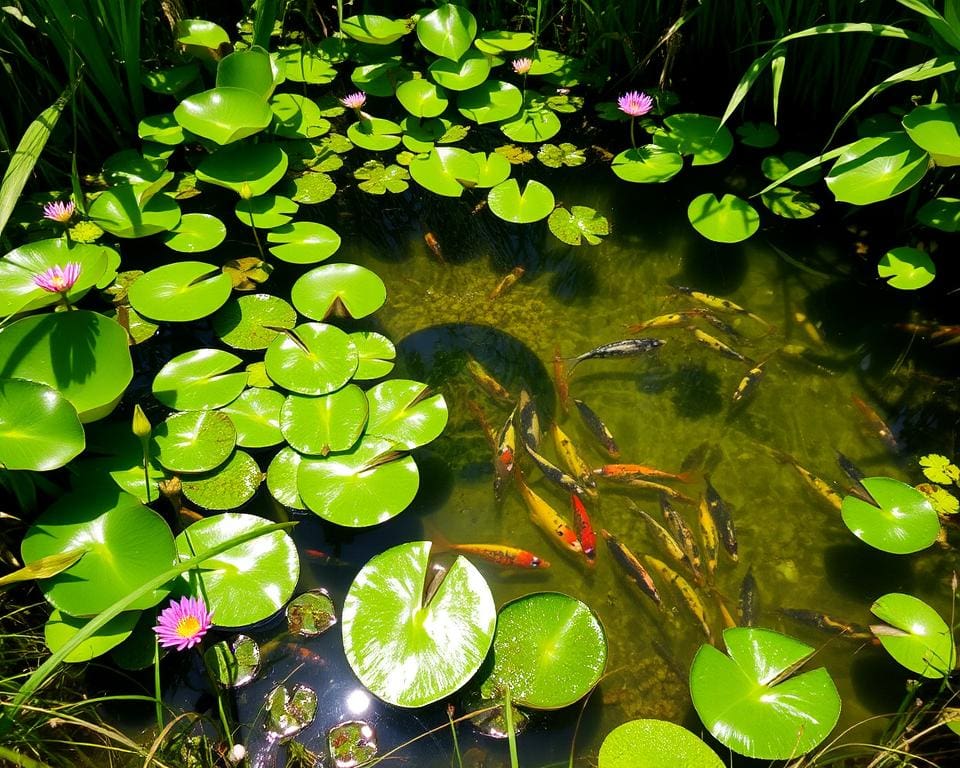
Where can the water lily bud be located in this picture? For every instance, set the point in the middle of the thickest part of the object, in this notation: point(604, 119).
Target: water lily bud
point(141, 424)
point(236, 754)
point(246, 192)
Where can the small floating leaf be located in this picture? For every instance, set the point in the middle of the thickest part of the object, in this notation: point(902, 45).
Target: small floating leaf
point(790, 203)
point(775, 166)
point(469, 71)
point(446, 171)
point(655, 744)
point(535, 203)
point(555, 156)
point(61, 628)
point(297, 117)
point(338, 290)
point(375, 30)
point(406, 413)
point(648, 164)
point(578, 224)
point(256, 416)
point(923, 643)
point(266, 211)
point(375, 134)
point(180, 292)
point(289, 713)
point(251, 322)
point(233, 663)
point(196, 232)
point(311, 613)
point(490, 102)
point(304, 242)
point(701, 136)
point(199, 380)
point(728, 220)
point(939, 469)
point(282, 478)
point(421, 98)
point(246, 169)
point(319, 425)
point(196, 441)
point(760, 135)
point(229, 486)
point(378, 180)
point(903, 522)
point(352, 743)
point(534, 123)
point(376, 353)
point(906, 268)
point(941, 213)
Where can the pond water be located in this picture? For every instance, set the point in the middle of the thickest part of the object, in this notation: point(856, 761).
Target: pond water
point(827, 337)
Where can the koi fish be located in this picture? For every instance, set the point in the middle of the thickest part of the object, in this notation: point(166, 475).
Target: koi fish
point(560, 380)
point(622, 348)
point(633, 567)
point(650, 485)
point(547, 518)
point(480, 416)
point(583, 529)
point(324, 558)
point(487, 383)
point(716, 322)
point(556, 475)
point(684, 536)
point(719, 305)
point(631, 471)
point(597, 428)
point(529, 420)
point(509, 557)
point(662, 535)
point(826, 623)
point(434, 245)
point(748, 599)
point(728, 620)
point(712, 342)
point(849, 468)
point(723, 520)
point(748, 383)
point(506, 283)
point(503, 463)
point(819, 486)
point(573, 461)
point(709, 535)
point(690, 597)
point(671, 320)
point(877, 424)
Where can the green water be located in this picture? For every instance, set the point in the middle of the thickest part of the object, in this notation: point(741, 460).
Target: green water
point(840, 342)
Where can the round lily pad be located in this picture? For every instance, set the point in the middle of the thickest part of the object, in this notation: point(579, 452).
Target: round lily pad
point(655, 744)
point(251, 322)
point(124, 211)
point(578, 224)
point(916, 636)
point(130, 167)
point(39, 428)
point(491, 102)
point(447, 31)
point(199, 380)
point(250, 69)
point(297, 117)
point(19, 292)
point(906, 268)
point(410, 648)
point(701, 136)
point(224, 115)
point(300, 66)
point(311, 613)
point(498, 41)
point(380, 78)
point(200, 33)
point(903, 521)
point(407, 413)
point(233, 663)
point(266, 211)
point(282, 478)
point(549, 651)
point(877, 168)
point(751, 703)
point(760, 135)
point(535, 203)
point(319, 425)
point(127, 545)
point(421, 98)
point(376, 355)
point(247, 583)
point(256, 416)
point(775, 166)
point(445, 171)
point(289, 712)
point(648, 164)
point(494, 169)
point(790, 203)
point(533, 123)
point(374, 133)
point(374, 29)
point(248, 169)
point(196, 232)
point(196, 441)
point(61, 628)
point(730, 219)
point(229, 486)
point(311, 188)
point(339, 290)
point(317, 359)
point(180, 292)
point(304, 242)
point(934, 127)
point(469, 71)
point(83, 355)
point(368, 485)
point(941, 213)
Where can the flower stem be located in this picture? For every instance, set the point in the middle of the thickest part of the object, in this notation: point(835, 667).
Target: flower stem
point(157, 700)
point(633, 141)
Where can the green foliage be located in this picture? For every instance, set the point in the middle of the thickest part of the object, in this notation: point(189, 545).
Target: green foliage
point(900, 520)
point(915, 635)
point(655, 744)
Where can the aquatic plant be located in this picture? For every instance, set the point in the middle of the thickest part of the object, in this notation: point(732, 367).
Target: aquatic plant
point(655, 744)
point(898, 518)
point(183, 624)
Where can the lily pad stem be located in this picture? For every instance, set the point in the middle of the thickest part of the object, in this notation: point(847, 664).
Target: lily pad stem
point(633, 141)
point(218, 692)
point(511, 732)
point(157, 701)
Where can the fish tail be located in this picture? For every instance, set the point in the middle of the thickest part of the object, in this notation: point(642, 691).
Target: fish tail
point(688, 476)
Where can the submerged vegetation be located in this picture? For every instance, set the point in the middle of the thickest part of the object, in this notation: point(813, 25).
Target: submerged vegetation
point(195, 395)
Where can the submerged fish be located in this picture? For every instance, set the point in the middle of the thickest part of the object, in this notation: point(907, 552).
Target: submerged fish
point(434, 245)
point(671, 320)
point(547, 518)
point(486, 381)
point(728, 620)
point(660, 488)
point(850, 469)
point(504, 461)
point(572, 460)
point(502, 555)
point(709, 535)
point(583, 529)
point(634, 568)
point(719, 305)
point(661, 534)
point(826, 623)
point(716, 322)
point(506, 283)
point(877, 424)
point(481, 418)
point(597, 428)
point(748, 383)
point(684, 536)
point(748, 599)
point(821, 487)
point(631, 471)
point(690, 597)
point(556, 475)
point(622, 348)
point(561, 381)
point(712, 342)
point(723, 519)
point(529, 420)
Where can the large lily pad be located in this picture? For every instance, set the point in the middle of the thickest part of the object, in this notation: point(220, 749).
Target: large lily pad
point(448, 31)
point(410, 649)
point(648, 164)
point(906, 268)
point(248, 169)
point(18, 291)
point(229, 486)
point(445, 171)
point(549, 651)
point(126, 545)
point(319, 425)
point(941, 213)
point(701, 136)
point(224, 115)
point(251, 322)
point(469, 71)
point(491, 102)
point(655, 744)
point(752, 704)
point(304, 242)
point(196, 232)
point(196, 441)
point(60, 629)
point(533, 123)
point(180, 292)
point(320, 358)
point(936, 128)
point(338, 290)
point(256, 417)
point(39, 428)
point(366, 486)
point(904, 522)
point(376, 353)
point(421, 98)
point(917, 637)
point(83, 355)
point(247, 583)
point(250, 69)
point(266, 211)
point(375, 30)
point(374, 133)
point(730, 219)
point(282, 478)
point(199, 380)
point(126, 212)
point(407, 413)
point(877, 168)
point(535, 203)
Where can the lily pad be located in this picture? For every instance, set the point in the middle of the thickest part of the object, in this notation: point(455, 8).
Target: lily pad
point(790, 203)
point(877, 168)
point(750, 701)
point(407, 413)
point(535, 203)
point(196, 232)
point(904, 522)
point(374, 133)
point(467, 72)
point(411, 645)
point(282, 478)
point(247, 583)
point(130, 167)
point(196, 441)
point(233, 663)
point(936, 128)
point(447, 31)
point(297, 117)
point(338, 290)
point(247, 273)
point(422, 98)
point(546, 62)
point(288, 712)
point(39, 428)
point(266, 211)
point(180, 292)
point(256, 416)
point(126, 545)
point(775, 166)
point(368, 485)
point(311, 613)
point(906, 268)
point(310, 188)
point(446, 171)
point(19, 292)
point(352, 744)
point(170, 80)
point(498, 41)
point(319, 425)
point(648, 164)
point(549, 651)
point(760, 135)
point(248, 169)
point(300, 66)
point(381, 78)
point(701, 136)
point(303, 242)
point(578, 224)
point(917, 637)
point(558, 155)
point(375, 30)
point(730, 219)
point(251, 69)
point(655, 744)
point(319, 359)
point(224, 115)
point(60, 629)
point(494, 169)
point(200, 33)
point(491, 102)
point(229, 486)
point(376, 355)
point(941, 213)
point(533, 123)
point(123, 212)
point(199, 380)
point(375, 179)
point(251, 322)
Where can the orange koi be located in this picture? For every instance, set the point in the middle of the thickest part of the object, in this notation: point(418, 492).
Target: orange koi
point(509, 557)
point(631, 471)
point(506, 283)
point(434, 245)
point(877, 423)
point(583, 529)
point(546, 517)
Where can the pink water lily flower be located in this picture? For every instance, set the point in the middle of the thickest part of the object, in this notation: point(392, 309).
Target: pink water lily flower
point(59, 211)
point(58, 279)
point(522, 66)
point(354, 100)
point(635, 103)
point(183, 625)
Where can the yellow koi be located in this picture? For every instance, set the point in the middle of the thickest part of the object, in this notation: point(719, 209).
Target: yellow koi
point(547, 518)
point(719, 305)
point(748, 382)
point(716, 345)
point(662, 535)
point(690, 597)
point(489, 384)
point(709, 534)
point(573, 461)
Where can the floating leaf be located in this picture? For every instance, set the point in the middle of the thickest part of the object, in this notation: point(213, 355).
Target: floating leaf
point(760, 135)
point(422, 98)
point(319, 425)
point(655, 744)
point(381, 78)
point(903, 522)
point(266, 211)
point(200, 33)
point(941, 213)
point(338, 290)
point(247, 273)
point(447, 31)
point(701, 136)
point(556, 156)
point(61, 628)
point(467, 72)
point(408, 650)
point(420, 135)
point(352, 743)
point(282, 478)
point(375, 30)
point(920, 640)
point(233, 663)
point(19, 292)
point(406, 413)
point(224, 115)
point(39, 428)
point(197, 441)
point(535, 203)
point(939, 469)
point(533, 123)
point(256, 416)
point(300, 66)
point(514, 155)
point(311, 613)
point(578, 224)
point(297, 117)
point(248, 169)
point(877, 168)
point(311, 188)
point(170, 80)
point(495, 42)
point(934, 127)
point(163, 129)
point(906, 268)
point(790, 203)
point(289, 713)
point(944, 502)
point(546, 62)
point(446, 171)
point(120, 212)
point(315, 360)
point(491, 102)
point(304, 242)
point(130, 167)
point(376, 354)
point(374, 133)
point(728, 220)
point(648, 164)
point(250, 69)
point(229, 486)
point(775, 166)
point(180, 292)
point(199, 380)
point(251, 322)
point(196, 232)
point(377, 180)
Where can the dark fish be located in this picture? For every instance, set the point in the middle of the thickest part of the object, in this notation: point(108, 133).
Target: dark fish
point(660, 488)
point(748, 383)
point(486, 381)
point(877, 423)
point(716, 322)
point(819, 486)
point(748, 599)
point(723, 518)
point(712, 342)
point(529, 420)
point(849, 468)
point(684, 536)
point(622, 348)
point(634, 568)
point(560, 380)
point(556, 475)
point(597, 428)
point(826, 623)
point(669, 544)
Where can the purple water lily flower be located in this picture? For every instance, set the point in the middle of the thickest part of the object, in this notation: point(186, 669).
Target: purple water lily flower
point(522, 66)
point(58, 279)
point(183, 625)
point(354, 100)
point(635, 103)
point(59, 211)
